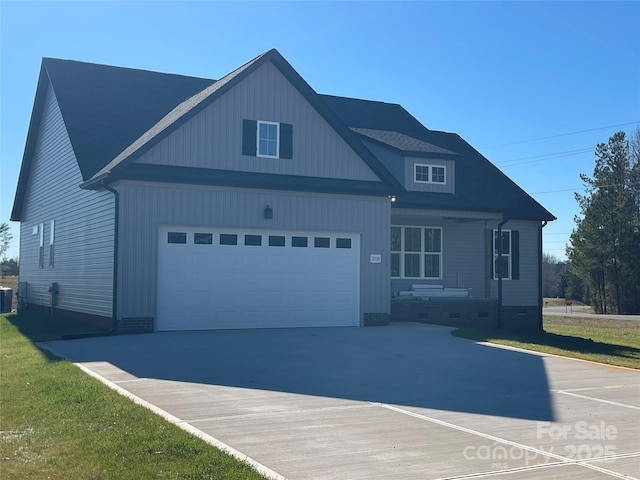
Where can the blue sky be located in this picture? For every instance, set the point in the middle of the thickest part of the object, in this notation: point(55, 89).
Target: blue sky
point(500, 74)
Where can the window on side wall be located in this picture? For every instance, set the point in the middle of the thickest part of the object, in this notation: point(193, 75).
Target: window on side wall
point(52, 246)
point(416, 252)
point(506, 266)
point(41, 246)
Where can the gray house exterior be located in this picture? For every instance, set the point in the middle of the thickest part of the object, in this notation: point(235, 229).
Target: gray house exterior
point(165, 202)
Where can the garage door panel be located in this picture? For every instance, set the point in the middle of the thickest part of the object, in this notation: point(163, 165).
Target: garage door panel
point(207, 286)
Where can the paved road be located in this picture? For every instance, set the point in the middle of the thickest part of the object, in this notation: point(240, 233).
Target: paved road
point(582, 311)
point(402, 402)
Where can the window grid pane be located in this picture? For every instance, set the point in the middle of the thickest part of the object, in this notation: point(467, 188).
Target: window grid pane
point(432, 240)
point(412, 265)
point(503, 268)
point(203, 238)
point(437, 174)
point(268, 139)
point(177, 237)
point(432, 266)
point(396, 239)
point(395, 264)
point(412, 239)
point(422, 173)
point(414, 254)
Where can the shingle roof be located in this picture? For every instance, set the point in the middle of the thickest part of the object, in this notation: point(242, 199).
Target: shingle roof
point(404, 143)
point(113, 114)
point(105, 108)
point(479, 185)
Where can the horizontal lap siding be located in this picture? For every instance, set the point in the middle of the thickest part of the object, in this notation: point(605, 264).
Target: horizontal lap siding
point(213, 138)
point(146, 207)
point(83, 260)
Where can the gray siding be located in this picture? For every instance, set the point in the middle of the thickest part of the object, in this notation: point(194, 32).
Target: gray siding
point(213, 138)
point(464, 254)
point(146, 207)
point(450, 172)
point(83, 219)
point(463, 257)
point(525, 290)
point(391, 159)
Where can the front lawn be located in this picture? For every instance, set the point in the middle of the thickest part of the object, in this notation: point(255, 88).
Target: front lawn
point(615, 342)
point(58, 422)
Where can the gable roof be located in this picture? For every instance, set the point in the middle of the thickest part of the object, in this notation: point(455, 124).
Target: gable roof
point(480, 186)
point(193, 105)
point(113, 115)
point(104, 109)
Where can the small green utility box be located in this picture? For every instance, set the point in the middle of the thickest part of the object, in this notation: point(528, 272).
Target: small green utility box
point(6, 296)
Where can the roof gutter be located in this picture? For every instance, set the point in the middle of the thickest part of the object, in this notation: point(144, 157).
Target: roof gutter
point(96, 183)
point(116, 220)
point(505, 219)
point(540, 292)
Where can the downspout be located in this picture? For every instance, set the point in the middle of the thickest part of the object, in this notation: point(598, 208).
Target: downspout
point(116, 219)
point(540, 296)
point(504, 220)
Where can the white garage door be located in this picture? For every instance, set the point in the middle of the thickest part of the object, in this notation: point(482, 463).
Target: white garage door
point(210, 279)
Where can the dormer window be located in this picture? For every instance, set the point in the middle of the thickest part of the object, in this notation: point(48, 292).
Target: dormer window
point(429, 173)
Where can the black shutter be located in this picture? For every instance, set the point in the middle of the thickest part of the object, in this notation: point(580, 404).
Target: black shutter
point(286, 140)
point(515, 255)
point(249, 137)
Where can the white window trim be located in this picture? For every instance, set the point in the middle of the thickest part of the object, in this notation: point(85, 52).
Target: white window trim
point(258, 154)
point(52, 237)
point(422, 252)
point(430, 167)
point(507, 255)
point(41, 246)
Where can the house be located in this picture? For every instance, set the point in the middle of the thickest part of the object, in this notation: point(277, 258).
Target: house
point(151, 202)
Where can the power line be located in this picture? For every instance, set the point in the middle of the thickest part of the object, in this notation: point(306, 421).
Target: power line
point(579, 188)
point(560, 135)
point(544, 156)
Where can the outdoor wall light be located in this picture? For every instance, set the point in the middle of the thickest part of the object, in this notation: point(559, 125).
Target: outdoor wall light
point(268, 212)
point(392, 198)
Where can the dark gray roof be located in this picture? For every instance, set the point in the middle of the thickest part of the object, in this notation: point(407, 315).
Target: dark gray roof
point(404, 143)
point(105, 108)
point(115, 114)
point(480, 186)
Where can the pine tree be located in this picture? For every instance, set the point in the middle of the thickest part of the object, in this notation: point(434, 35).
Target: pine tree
point(605, 245)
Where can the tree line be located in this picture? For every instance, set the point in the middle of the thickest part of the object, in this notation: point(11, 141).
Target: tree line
point(603, 267)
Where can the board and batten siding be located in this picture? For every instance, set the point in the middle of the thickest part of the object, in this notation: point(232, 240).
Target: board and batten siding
point(525, 290)
point(145, 207)
point(83, 226)
point(450, 175)
point(213, 138)
point(464, 251)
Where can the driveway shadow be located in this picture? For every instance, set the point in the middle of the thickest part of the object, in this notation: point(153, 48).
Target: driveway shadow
point(402, 364)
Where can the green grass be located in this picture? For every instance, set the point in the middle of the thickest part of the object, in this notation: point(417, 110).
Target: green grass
point(614, 342)
point(59, 423)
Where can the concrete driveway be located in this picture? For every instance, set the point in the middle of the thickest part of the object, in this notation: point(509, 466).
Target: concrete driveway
point(406, 401)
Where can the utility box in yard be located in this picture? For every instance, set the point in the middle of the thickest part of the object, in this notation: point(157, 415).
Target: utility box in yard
point(6, 296)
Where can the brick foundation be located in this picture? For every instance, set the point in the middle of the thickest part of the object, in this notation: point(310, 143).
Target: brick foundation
point(468, 313)
point(376, 319)
point(135, 325)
